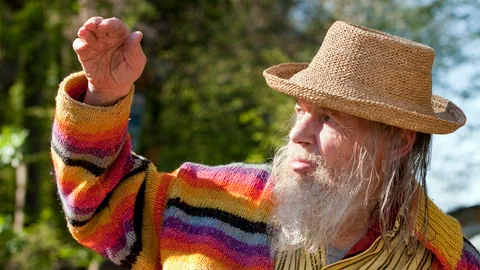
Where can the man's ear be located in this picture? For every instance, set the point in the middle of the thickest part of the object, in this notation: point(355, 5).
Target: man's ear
point(408, 140)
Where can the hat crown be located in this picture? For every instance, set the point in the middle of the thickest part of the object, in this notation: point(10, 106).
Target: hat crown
point(372, 75)
point(371, 65)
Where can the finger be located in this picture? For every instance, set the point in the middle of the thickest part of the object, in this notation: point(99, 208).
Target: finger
point(134, 55)
point(86, 35)
point(79, 45)
point(92, 23)
point(112, 27)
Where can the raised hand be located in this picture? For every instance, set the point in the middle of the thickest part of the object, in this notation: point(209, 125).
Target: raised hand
point(111, 57)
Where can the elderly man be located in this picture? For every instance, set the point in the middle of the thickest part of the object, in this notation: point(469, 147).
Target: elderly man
point(347, 191)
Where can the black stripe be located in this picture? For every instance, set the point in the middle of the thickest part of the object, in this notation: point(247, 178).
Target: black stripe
point(387, 260)
point(313, 261)
point(413, 256)
point(424, 259)
point(283, 260)
point(89, 166)
point(291, 260)
point(130, 260)
point(391, 254)
point(104, 203)
point(377, 255)
point(297, 258)
point(76, 223)
point(400, 257)
point(305, 261)
point(231, 219)
point(373, 247)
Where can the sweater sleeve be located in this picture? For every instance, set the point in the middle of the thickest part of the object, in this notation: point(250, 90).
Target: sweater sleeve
point(113, 199)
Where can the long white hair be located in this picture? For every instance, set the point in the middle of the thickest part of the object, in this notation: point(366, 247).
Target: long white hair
point(313, 212)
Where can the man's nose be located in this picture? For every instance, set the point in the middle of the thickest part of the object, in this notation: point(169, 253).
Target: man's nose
point(303, 132)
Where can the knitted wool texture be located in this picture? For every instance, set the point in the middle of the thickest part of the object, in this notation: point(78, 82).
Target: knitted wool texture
point(197, 217)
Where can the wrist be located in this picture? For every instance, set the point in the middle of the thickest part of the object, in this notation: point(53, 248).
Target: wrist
point(104, 98)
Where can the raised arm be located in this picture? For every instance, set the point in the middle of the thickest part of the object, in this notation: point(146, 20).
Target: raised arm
point(116, 202)
point(101, 184)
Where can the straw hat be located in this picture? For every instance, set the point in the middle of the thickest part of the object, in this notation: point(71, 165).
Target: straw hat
point(372, 75)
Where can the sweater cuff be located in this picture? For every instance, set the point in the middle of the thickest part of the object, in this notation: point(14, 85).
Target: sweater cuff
point(70, 109)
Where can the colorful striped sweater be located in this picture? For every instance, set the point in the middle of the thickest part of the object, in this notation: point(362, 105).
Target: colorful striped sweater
point(197, 217)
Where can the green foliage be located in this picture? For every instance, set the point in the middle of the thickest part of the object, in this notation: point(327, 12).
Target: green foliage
point(10, 241)
point(40, 247)
point(11, 142)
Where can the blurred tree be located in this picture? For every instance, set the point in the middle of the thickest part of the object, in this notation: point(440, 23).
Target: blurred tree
point(11, 154)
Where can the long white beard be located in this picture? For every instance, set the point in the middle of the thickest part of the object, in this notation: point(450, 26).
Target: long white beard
point(312, 210)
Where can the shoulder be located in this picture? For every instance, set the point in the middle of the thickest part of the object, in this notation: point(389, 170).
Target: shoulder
point(250, 180)
point(236, 172)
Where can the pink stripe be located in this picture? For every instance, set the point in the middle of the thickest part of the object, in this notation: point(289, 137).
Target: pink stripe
point(110, 236)
point(90, 139)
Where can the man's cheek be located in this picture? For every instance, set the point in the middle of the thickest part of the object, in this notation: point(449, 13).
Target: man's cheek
point(333, 149)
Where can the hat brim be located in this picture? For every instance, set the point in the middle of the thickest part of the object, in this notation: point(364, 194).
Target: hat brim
point(446, 117)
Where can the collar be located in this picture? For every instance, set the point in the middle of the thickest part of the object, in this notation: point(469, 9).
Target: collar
point(442, 236)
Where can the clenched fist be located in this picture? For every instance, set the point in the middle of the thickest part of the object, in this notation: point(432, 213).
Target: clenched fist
point(111, 57)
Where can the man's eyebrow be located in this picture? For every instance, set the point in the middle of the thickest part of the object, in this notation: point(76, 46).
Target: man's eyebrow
point(327, 110)
point(333, 113)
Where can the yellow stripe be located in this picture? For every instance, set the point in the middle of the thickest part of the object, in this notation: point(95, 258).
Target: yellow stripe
point(151, 249)
point(180, 260)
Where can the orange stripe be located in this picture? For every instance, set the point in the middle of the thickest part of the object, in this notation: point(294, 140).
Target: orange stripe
point(100, 131)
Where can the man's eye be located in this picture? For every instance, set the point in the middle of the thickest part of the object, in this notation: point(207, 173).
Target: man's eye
point(326, 118)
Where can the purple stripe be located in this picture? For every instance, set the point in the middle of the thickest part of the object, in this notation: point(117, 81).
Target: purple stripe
point(81, 211)
point(100, 152)
point(121, 242)
point(470, 258)
point(237, 168)
point(219, 235)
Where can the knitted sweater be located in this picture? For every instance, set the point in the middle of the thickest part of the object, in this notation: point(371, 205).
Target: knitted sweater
point(197, 217)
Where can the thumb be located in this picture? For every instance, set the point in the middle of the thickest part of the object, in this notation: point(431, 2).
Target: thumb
point(134, 55)
point(79, 45)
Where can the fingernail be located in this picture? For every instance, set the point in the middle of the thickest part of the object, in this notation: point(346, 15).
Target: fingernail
point(139, 34)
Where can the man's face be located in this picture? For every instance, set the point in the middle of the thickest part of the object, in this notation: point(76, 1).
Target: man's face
point(321, 176)
point(328, 134)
